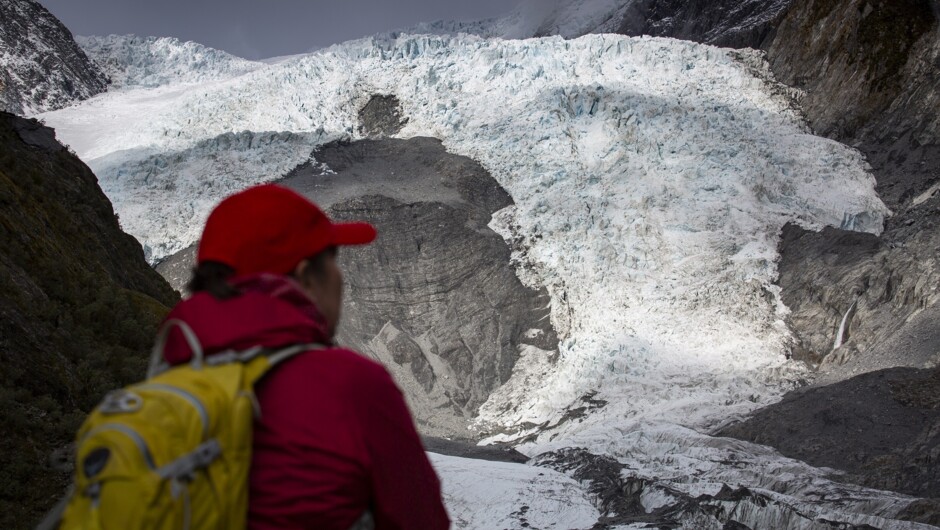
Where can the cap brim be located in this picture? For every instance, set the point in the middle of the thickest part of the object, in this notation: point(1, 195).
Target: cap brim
point(353, 233)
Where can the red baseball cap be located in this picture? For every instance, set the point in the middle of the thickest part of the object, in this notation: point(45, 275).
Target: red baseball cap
point(270, 228)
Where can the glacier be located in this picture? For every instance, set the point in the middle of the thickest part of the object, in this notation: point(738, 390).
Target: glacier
point(651, 178)
point(132, 61)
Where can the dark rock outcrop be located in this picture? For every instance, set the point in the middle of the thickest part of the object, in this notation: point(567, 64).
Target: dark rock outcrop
point(381, 116)
point(493, 453)
point(727, 23)
point(882, 428)
point(78, 310)
point(867, 41)
point(41, 66)
point(876, 295)
point(435, 298)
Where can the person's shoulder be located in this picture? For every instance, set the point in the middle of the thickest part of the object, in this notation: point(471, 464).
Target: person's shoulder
point(342, 359)
point(363, 382)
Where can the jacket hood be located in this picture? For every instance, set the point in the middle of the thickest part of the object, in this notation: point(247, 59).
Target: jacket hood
point(272, 311)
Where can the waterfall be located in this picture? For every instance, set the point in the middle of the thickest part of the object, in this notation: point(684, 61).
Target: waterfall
point(845, 320)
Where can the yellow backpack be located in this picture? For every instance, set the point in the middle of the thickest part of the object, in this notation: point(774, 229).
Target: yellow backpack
point(174, 451)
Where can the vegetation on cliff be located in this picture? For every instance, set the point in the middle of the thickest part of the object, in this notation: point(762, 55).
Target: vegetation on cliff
point(78, 310)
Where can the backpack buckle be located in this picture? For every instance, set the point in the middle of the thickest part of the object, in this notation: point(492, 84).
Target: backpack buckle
point(120, 402)
point(93, 491)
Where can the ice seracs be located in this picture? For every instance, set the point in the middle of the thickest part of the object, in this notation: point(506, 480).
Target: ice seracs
point(131, 61)
point(651, 178)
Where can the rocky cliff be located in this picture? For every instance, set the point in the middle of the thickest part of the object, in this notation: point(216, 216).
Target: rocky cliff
point(727, 23)
point(78, 310)
point(891, 416)
point(435, 298)
point(869, 70)
point(41, 66)
point(871, 80)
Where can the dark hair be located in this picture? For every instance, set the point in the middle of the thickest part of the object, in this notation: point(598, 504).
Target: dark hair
point(317, 268)
point(212, 277)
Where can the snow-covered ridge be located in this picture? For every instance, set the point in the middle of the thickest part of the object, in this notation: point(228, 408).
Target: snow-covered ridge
point(41, 66)
point(536, 18)
point(151, 61)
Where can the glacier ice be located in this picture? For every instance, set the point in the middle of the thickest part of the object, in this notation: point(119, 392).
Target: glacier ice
point(481, 494)
point(132, 61)
point(651, 178)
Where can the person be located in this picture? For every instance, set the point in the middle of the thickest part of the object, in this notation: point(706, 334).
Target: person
point(334, 440)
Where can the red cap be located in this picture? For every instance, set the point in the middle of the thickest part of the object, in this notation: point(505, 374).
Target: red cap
point(269, 228)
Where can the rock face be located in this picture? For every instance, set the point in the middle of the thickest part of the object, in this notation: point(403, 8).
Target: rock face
point(871, 81)
point(869, 69)
point(381, 116)
point(726, 23)
point(42, 66)
point(435, 298)
point(857, 303)
point(78, 310)
point(892, 418)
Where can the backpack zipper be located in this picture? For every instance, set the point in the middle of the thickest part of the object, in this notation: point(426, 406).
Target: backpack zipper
point(130, 433)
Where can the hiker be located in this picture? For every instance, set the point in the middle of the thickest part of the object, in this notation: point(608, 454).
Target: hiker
point(334, 439)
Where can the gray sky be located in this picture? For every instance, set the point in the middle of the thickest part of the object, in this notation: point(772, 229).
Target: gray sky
point(262, 28)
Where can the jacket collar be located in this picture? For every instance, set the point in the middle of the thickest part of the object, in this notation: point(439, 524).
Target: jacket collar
point(271, 311)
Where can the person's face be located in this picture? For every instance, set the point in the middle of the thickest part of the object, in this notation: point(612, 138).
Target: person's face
point(324, 286)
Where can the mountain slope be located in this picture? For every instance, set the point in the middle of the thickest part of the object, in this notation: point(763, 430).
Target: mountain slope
point(650, 180)
point(661, 286)
point(150, 61)
point(78, 310)
point(42, 66)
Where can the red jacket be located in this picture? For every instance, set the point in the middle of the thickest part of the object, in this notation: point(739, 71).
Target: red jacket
point(335, 436)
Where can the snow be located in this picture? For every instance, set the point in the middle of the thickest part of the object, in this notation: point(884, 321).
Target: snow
point(927, 195)
point(486, 495)
point(151, 62)
point(651, 178)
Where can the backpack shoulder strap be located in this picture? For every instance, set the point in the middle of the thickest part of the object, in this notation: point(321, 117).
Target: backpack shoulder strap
point(54, 516)
point(277, 357)
point(262, 362)
point(157, 364)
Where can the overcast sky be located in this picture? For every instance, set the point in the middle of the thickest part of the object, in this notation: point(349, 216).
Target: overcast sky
point(256, 29)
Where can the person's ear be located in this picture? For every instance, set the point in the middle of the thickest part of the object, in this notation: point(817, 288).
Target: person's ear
point(300, 271)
